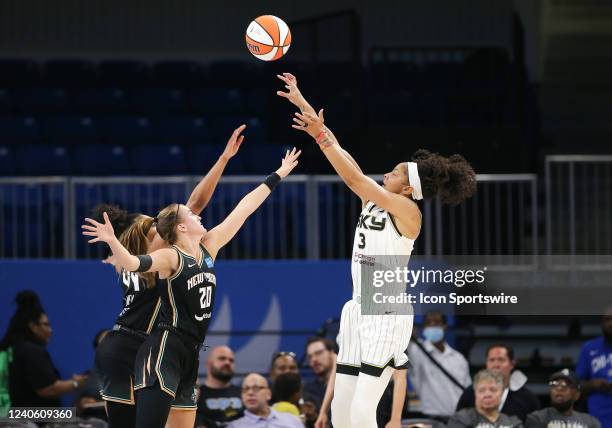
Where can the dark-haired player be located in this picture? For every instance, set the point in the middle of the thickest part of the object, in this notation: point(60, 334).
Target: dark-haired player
point(373, 346)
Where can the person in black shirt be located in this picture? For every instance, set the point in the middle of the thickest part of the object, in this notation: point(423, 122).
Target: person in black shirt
point(564, 392)
point(33, 379)
point(321, 359)
point(167, 362)
point(219, 402)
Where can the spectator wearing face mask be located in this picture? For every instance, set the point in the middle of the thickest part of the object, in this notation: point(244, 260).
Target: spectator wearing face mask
point(439, 373)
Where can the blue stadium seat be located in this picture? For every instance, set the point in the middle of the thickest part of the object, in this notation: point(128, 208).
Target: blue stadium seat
point(124, 73)
point(183, 129)
point(70, 73)
point(7, 161)
point(101, 159)
point(43, 160)
point(157, 101)
point(19, 130)
point(100, 100)
point(237, 74)
point(217, 101)
point(19, 73)
point(262, 158)
point(203, 156)
point(41, 100)
point(181, 73)
point(392, 109)
point(126, 130)
point(222, 126)
point(69, 129)
point(159, 159)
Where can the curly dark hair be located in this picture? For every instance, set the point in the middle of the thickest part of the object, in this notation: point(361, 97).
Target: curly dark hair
point(119, 218)
point(29, 310)
point(453, 177)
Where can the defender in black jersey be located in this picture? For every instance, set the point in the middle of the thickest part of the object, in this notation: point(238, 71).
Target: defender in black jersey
point(167, 362)
point(188, 297)
point(115, 357)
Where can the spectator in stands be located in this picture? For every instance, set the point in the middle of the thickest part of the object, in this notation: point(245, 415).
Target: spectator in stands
point(595, 370)
point(255, 396)
point(488, 390)
point(220, 401)
point(564, 392)
point(282, 362)
point(439, 373)
point(517, 400)
point(88, 400)
point(33, 379)
point(288, 391)
point(321, 359)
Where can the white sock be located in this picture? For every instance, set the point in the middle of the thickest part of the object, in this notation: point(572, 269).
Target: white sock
point(368, 392)
point(344, 390)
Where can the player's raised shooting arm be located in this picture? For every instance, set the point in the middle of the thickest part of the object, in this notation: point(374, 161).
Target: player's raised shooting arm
point(220, 235)
point(202, 193)
point(294, 95)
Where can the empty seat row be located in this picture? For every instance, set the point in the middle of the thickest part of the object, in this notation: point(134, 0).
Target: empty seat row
point(141, 101)
point(143, 159)
point(74, 129)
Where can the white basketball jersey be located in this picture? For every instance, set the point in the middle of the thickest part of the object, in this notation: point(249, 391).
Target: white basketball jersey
point(377, 235)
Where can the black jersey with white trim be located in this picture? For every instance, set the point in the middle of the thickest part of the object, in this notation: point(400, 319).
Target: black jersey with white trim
point(141, 303)
point(188, 295)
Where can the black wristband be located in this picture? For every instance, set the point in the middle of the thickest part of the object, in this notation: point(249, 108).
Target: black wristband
point(145, 263)
point(272, 181)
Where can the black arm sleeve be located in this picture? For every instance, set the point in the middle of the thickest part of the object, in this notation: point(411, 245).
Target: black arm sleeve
point(145, 263)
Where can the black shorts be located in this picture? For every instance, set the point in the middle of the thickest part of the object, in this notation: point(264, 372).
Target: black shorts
point(114, 364)
point(172, 363)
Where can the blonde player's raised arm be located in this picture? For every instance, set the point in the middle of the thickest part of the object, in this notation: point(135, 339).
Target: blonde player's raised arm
point(220, 235)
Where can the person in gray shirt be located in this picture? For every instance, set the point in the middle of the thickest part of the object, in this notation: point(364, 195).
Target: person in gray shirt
point(564, 392)
point(488, 389)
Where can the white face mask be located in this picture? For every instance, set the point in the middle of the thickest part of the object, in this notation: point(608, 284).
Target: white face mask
point(433, 333)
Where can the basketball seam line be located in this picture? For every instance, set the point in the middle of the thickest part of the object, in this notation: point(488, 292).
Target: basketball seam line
point(266, 31)
point(271, 46)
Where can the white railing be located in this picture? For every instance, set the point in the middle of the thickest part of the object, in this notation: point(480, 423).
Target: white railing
point(306, 216)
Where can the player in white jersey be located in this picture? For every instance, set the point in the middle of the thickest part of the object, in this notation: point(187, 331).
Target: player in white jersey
point(373, 347)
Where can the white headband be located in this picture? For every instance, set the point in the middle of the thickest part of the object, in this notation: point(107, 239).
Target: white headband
point(414, 180)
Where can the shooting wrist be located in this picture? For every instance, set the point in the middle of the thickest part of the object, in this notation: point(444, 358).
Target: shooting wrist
point(323, 140)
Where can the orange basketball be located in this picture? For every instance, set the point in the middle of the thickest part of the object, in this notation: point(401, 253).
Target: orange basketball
point(268, 38)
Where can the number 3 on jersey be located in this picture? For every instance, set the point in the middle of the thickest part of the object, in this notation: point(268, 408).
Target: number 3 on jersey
point(361, 241)
point(206, 294)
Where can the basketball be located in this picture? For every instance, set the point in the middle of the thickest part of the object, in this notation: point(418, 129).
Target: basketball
point(268, 37)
